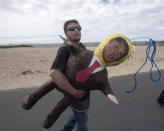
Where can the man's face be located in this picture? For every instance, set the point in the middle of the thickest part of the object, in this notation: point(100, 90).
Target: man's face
point(73, 32)
point(113, 51)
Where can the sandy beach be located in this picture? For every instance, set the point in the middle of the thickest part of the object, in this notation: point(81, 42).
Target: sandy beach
point(25, 67)
point(21, 68)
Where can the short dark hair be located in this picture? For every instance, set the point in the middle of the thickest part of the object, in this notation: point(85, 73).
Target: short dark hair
point(121, 40)
point(69, 21)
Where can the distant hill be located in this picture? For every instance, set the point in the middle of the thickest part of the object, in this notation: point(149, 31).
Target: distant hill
point(14, 46)
point(49, 45)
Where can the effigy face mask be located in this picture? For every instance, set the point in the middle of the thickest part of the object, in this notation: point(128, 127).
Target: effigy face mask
point(114, 50)
point(104, 46)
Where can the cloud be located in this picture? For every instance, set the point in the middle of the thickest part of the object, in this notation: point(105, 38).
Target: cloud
point(97, 17)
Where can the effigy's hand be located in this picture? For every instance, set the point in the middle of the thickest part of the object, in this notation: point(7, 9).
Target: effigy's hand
point(78, 93)
point(113, 98)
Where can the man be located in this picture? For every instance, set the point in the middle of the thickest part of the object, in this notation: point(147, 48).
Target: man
point(72, 31)
point(113, 50)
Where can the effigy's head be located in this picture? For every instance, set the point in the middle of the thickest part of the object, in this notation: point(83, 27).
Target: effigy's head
point(114, 50)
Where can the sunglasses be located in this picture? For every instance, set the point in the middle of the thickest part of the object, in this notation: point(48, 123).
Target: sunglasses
point(73, 28)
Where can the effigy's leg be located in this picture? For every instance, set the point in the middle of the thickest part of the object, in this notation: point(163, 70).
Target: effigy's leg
point(31, 99)
point(58, 110)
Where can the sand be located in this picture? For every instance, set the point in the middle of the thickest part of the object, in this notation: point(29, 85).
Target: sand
point(26, 67)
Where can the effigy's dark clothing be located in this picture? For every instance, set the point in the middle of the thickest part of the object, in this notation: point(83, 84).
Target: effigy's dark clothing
point(76, 58)
point(62, 56)
point(60, 63)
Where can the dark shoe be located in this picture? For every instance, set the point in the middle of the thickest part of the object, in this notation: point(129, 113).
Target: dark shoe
point(48, 122)
point(161, 98)
point(28, 102)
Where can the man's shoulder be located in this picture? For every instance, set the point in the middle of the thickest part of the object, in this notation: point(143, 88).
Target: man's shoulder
point(64, 48)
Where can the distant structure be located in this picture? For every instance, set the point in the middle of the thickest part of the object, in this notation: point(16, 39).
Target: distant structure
point(145, 43)
point(160, 43)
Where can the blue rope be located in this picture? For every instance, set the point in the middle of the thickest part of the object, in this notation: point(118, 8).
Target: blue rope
point(151, 58)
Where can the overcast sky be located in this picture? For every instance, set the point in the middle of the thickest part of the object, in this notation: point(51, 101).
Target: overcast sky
point(42, 20)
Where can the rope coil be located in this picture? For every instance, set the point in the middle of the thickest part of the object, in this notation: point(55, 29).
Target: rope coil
point(151, 43)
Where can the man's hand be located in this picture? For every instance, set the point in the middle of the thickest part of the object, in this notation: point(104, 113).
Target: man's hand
point(62, 82)
point(78, 93)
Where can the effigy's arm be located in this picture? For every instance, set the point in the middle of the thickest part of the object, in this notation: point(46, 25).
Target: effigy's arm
point(107, 90)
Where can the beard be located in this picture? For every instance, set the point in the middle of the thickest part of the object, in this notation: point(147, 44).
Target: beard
point(76, 38)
